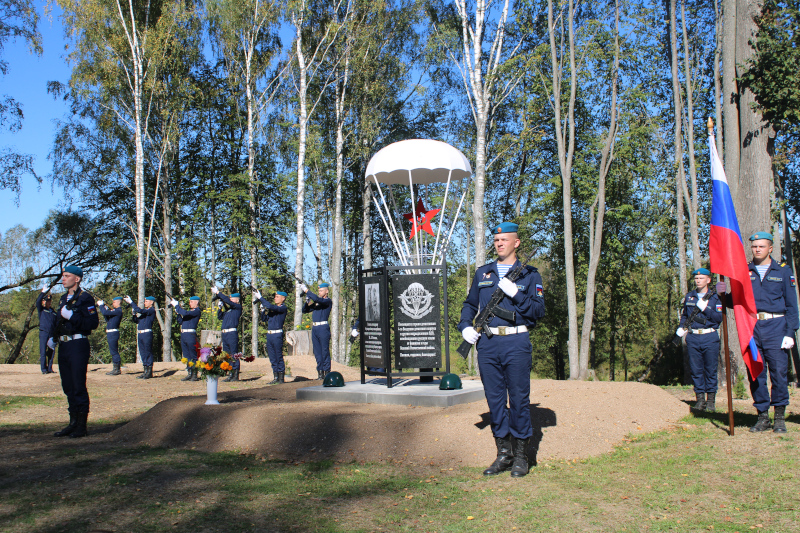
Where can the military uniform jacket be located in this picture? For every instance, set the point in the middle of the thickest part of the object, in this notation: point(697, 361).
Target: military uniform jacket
point(113, 316)
point(527, 304)
point(188, 319)
point(230, 318)
point(84, 315)
point(143, 317)
point(710, 317)
point(775, 294)
point(320, 308)
point(47, 317)
point(274, 315)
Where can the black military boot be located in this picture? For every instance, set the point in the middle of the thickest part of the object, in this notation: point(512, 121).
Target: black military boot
point(188, 374)
point(275, 379)
point(234, 375)
point(194, 376)
point(701, 401)
point(521, 466)
point(281, 376)
point(320, 374)
point(143, 374)
point(763, 422)
point(711, 400)
point(505, 456)
point(73, 421)
point(80, 428)
point(780, 419)
point(148, 372)
point(115, 371)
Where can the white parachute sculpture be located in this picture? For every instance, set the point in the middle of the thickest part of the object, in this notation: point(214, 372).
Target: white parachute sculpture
point(431, 166)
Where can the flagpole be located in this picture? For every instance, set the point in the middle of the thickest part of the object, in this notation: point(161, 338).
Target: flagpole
point(727, 363)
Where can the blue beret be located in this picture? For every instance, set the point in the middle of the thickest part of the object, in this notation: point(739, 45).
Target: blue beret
point(75, 269)
point(151, 298)
point(117, 298)
point(505, 227)
point(761, 235)
point(281, 293)
point(704, 271)
point(194, 298)
point(323, 285)
point(235, 295)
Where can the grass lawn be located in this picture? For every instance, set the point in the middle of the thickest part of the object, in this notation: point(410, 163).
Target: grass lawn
point(690, 478)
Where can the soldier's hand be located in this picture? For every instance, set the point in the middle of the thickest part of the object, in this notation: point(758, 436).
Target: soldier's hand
point(721, 288)
point(173, 303)
point(702, 304)
point(51, 343)
point(508, 287)
point(256, 294)
point(470, 335)
point(100, 302)
point(45, 287)
point(219, 304)
point(787, 344)
point(303, 288)
point(354, 332)
point(128, 300)
point(214, 289)
point(680, 332)
point(66, 313)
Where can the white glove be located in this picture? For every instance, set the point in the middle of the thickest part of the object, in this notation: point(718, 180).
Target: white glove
point(100, 302)
point(214, 289)
point(173, 303)
point(66, 313)
point(51, 343)
point(219, 304)
point(354, 332)
point(787, 344)
point(303, 288)
point(508, 287)
point(128, 300)
point(256, 295)
point(702, 304)
point(470, 335)
point(681, 332)
point(45, 288)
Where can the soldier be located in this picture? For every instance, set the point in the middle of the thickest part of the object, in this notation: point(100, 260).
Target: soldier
point(230, 311)
point(703, 340)
point(113, 316)
point(188, 321)
point(776, 303)
point(320, 309)
point(144, 332)
point(47, 318)
point(77, 317)
point(274, 314)
point(505, 359)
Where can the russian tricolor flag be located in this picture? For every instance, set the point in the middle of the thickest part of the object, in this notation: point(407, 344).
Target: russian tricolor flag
point(727, 258)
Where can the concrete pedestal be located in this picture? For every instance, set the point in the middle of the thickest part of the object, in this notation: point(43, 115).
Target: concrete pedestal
point(403, 392)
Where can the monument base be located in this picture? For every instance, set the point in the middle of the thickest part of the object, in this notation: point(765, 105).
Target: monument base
point(403, 392)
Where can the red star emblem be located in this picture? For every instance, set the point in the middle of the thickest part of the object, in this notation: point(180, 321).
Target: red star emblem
point(423, 221)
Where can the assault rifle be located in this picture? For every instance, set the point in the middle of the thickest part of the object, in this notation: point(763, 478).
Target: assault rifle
point(676, 340)
point(493, 308)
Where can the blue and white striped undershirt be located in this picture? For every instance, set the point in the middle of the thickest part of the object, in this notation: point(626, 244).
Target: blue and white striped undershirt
point(502, 270)
point(762, 270)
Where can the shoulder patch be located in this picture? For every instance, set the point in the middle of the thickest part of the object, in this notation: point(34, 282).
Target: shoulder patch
point(791, 279)
point(539, 290)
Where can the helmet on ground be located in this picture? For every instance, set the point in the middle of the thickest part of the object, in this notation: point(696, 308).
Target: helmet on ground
point(333, 379)
point(450, 382)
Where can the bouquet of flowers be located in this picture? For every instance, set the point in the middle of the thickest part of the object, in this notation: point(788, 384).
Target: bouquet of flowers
point(212, 361)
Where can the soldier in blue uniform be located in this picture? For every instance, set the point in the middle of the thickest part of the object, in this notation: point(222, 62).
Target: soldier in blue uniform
point(703, 340)
point(47, 319)
point(230, 311)
point(188, 321)
point(505, 359)
point(274, 314)
point(144, 332)
point(113, 316)
point(776, 303)
point(320, 309)
point(77, 317)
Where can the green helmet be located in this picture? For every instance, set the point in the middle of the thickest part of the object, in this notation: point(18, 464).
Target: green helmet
point(333, 379)
point(450, 382)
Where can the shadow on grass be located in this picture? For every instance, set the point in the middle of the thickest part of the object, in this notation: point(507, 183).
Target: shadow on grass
point(720, 419)
point(541, 417)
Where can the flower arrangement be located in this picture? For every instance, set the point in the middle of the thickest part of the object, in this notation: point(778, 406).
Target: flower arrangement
point(212, 361)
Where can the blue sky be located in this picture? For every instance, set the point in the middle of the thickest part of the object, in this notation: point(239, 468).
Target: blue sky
point(26, 82)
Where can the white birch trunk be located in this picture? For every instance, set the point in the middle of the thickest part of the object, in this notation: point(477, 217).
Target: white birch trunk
point(301, 164)
point(692, 196)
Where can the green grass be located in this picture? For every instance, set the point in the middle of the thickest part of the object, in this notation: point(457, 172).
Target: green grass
point(16, 402)
point(690, 478)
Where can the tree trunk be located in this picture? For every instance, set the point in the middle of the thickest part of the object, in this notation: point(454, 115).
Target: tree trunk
point(301, 163)
point(366, 231)
point(730, 100)
point(166, 331)
point(26, 328)
point(717, 87)
point(338, 235)
point(680, 179)
point(692, 200)
point(252, 202)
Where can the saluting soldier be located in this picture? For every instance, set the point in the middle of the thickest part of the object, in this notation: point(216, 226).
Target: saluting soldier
point(188, 321)
point(274, 314)
point(320, 308)
point(47, 319)
point(505, 359)
point(144, 332)
point(113, 316)
point(702, 341)
point(230, 311)
point(77, 317)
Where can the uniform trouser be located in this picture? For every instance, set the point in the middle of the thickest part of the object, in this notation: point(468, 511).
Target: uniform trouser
point(275, 351)
point(73, 363)
point(188, 348)
point(230, 344)
point(769, 335)
point(46, 365)
point(113, 346)
point(703, 358)
point(146, 347)
point(505, 366)
point(321, 339)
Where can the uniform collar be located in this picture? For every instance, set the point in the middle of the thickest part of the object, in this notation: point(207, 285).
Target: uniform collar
point(496, 262)
point(772, 264)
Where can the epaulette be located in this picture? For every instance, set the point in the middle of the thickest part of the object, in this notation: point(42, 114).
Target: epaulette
point(783, 264)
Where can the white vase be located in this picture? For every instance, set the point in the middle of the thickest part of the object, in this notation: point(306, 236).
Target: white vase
point(211, 390)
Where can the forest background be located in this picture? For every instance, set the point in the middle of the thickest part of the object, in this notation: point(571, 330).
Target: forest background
point(226, 142)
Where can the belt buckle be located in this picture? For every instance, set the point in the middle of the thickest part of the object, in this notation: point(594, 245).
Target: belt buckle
point(501, 330)
point(761, 316)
